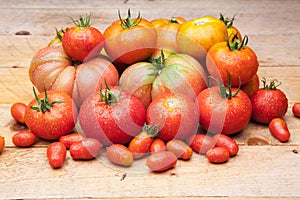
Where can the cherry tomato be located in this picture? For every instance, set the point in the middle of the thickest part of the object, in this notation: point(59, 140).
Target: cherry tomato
point(252, 86)
point(161, 161)
point(157, 145)
point(70, 139)
point(200, 143)
point(279, 129)
point(217, 155)
point(180, 148)
point(226, 142)
point(24, 138)
point(17, 111)
point(296, 109)
point(56, 154)
point(119, 154)
point(2, 143)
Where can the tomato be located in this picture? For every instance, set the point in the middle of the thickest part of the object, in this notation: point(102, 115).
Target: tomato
point(70, 139)
point(24, 138)
point(217, 155)
point(226, 142)
point(2, 143)
point(252, 86)
point(180, 148)
point(58, 38)
point(51, 114)
point(82, 41)
point(161, 161)
point(141, 143)
point(223, 109)
point(17, 111)
point(87, 149)
point(52, 68)
point(268, 103)
point(279, 129)
point(175, 115)
point(166, 32)
point(195, 37)
point(130, 40)
point(157, 145)
point(232, 31)
point(233, 57)
point(119, 154)
point(200, 143)
point(296, 109)
point(176, 73)
point(56, 154)
point(112, 115)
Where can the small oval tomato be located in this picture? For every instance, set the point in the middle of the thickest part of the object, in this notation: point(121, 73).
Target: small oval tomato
point(87, 149)
point(180, 148)
point(279, 129)
point(296, 109)
point(268, 103)
point(82, 41)
point(119, 154)
point(24, 138)
point(51, 114)
point(226, 142)
point(157, 145)
point(17, 111)
point(217, 155)
point(2, 143)
point(70, 139)
point(130, 40)
point(161, 161)
point(56, 154)
point(200, 143)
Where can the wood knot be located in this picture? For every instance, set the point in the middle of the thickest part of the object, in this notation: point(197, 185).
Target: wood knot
point(257, 141)
point(22, 33)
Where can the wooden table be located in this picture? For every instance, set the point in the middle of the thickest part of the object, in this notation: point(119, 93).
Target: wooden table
point(264, 167)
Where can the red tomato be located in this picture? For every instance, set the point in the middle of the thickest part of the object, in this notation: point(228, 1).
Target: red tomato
point(157, 145)
point(268, 103)
point(17, 111)
point(24, 138)
point(119, 154)
point(226, 142)
point(70, 139)
point(296, 109)
point(224, 110)
point(232, 57)
point(51, 114)
point(217, 155)
point(2, 143)
point(82, 41)
point(175, 115)
point(161, 161)
point(87, 149)
point(279, 129)
point(130, 40)
point(200, 143)
point(56, 154)
point(252, 86)
point(180, 148)
point(112, 116)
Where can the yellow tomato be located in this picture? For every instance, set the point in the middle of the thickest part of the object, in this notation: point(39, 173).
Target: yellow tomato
point(232, 30)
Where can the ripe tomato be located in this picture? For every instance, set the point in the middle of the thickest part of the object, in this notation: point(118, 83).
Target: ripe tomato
point(296, 109)
point(17, 111)
point(161, 161)
point(180, 148)
point(130, 40)
point(177, 73)
point(70, 139)
point(87, 149)
point(279, 129)
point(119, 154)
point(195, 37)
point(51, 114)
point(2, 143)
point(252, 86)
point(233, 57)
point(82, 41)
point(201, 143)
point(232, 31)
point(51, 68)
point(224, 110)
point(268, 103)
point(217, 155)
point(175, 115)
point(226, 142)
point(112, 115)
point(166, 32)
point(157, 145)
point(56, 154)
point(24, 138)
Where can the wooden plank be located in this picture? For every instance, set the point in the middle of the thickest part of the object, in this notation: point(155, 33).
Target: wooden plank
point(258, 171)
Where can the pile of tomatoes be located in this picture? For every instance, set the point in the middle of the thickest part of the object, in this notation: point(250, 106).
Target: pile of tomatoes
point(166, 87)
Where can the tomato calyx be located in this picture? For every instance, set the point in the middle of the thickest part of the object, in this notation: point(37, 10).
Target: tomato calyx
point(235, 44)
point(271, 86)
point(158, 63)
point(127, 22)
point(82, 22)
point(108, 97)
point(174, 20)
point(227, 21)
point(151, 130)
point(59, 34)
point(43, 104)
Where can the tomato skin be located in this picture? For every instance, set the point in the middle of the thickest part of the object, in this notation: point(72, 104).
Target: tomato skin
point(195, 37)
point(58, 121)
point(296, 109)
point(82, 43)
point(2, 143)
point(17, 111)
point(279, 129)
point(24, 138)
point(242, 64)
point(87, 149)
point(175, 115)
point(157, 145)
point(268, 104)
point(70, 139)
point(252, 86)
point(217, 155)
point(161, 161)
point(226, 142)
point(180, 148)
point(115, 123)
point(200, 143)
point(56, 154)
point(221, 115)
point(119, 154)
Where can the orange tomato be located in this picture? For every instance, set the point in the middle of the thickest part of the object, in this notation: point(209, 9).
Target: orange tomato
point(251, 86)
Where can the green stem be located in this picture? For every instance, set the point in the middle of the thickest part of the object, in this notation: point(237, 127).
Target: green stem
point(127, 22)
